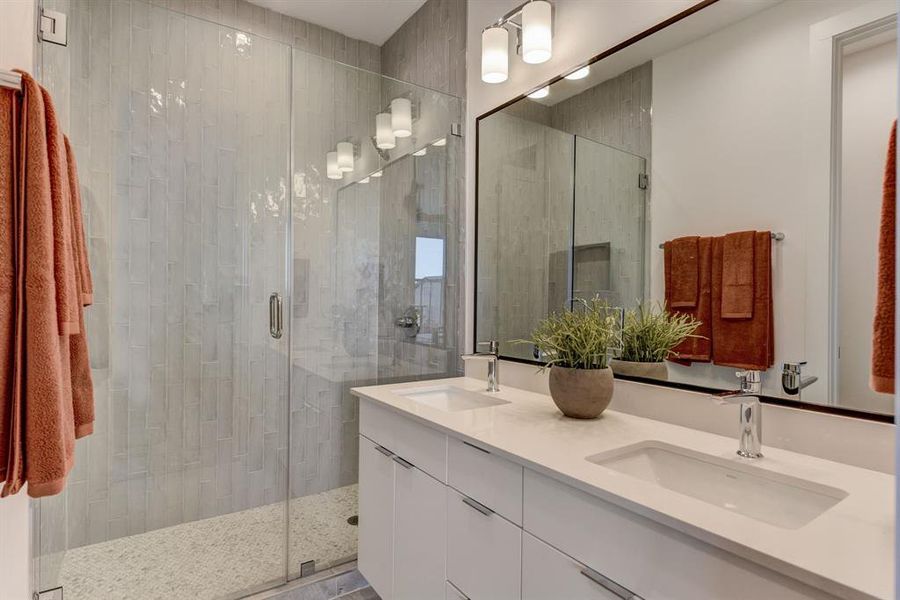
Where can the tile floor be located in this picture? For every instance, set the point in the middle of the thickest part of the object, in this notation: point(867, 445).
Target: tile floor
point(213, 558)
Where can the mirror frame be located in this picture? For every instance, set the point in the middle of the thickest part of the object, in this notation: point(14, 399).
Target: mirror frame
point(773, 400)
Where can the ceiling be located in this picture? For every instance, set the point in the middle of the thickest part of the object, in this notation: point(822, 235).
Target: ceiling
point(373, 21)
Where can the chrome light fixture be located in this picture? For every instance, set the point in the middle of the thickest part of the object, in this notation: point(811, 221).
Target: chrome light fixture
point(401, 117)
point(534, 39)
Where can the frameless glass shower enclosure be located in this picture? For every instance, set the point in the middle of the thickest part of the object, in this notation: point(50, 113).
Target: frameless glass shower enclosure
point(225, 456)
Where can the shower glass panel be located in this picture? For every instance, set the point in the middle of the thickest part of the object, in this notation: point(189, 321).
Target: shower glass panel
point(609, 225)
point(362, 312)
point(181, 129)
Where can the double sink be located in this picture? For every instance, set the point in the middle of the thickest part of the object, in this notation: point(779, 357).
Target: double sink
point(773, 498)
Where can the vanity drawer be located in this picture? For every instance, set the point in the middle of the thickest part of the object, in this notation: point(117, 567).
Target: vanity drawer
point(548, 573)
point(652, 560)
point(485, 477)
point(484, 551)
point(424, 447)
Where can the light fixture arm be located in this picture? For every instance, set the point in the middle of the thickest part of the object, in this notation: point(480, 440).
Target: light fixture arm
point(516, 13)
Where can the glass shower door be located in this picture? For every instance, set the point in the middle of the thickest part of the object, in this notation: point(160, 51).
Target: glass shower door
point(181, 132)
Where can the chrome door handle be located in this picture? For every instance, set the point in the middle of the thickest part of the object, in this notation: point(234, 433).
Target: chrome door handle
point(477, 506)
point(403, 463)
point(275, 316)
point(385, 451)
point(609, 585)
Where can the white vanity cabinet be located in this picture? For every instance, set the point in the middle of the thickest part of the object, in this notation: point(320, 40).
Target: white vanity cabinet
point(473, 525)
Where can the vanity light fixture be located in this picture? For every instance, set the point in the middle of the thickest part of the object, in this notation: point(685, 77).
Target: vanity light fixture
point(421, 151)
point(401, 117)
point(579, 73)
point(540, 92)
point(376, 174)
point(440, 142)
point(534, 39)
point(331, 166)
point(384, 133)
point(345, 156)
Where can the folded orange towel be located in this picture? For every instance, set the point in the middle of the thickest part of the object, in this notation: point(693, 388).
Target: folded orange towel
point(684, 272)
point(699, 348)
point(882, 378)
point(737, 275)
point(745, 343)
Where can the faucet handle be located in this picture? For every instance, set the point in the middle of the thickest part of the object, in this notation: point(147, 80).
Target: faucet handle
point(493, 346)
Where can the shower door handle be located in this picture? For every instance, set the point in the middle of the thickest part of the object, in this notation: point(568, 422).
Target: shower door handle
point(275, 317)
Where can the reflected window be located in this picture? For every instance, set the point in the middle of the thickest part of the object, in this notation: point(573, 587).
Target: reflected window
point(430, 289)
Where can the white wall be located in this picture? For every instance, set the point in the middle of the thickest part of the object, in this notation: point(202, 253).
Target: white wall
point(743, 168)
point(869, 104)
point(582, 29)
point(16, 50)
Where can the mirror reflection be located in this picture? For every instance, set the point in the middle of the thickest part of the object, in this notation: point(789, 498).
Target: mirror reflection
point(722, 177)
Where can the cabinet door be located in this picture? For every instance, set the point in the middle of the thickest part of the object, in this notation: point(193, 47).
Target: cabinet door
point(420, 534)
point(376, 517)
point(547, 574)
point(484, 551)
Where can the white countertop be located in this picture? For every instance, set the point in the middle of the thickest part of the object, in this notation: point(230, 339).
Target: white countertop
point(847, 551)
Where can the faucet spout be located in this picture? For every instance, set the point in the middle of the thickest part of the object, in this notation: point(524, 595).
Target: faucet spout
point(750, 414)
point(493, 360)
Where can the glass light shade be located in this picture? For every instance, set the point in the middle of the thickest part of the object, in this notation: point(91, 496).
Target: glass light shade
point(579, 74)
point(440, 142)
point(384, 133)
point(421, 151)
point(331, 166)
point(401, 117)
point(537, 32)
point(494, 55)
point(345, 156)
point(376, 174)
point(540, 93)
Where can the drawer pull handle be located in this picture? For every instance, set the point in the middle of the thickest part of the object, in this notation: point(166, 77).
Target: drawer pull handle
point(477, 448)
point(403, 463)
point(478, 506)
point(609, 585)
point(384, 451)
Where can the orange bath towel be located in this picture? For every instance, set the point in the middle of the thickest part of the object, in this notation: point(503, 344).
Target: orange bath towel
point(737, 275)
point(42, 416)
point(684, 266)
point(882, 378)
point(699, 348)
point(745, 343)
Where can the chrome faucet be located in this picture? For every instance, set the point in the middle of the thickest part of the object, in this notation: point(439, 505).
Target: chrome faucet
point(751, 412)
point(492, 357)
point(792, 380)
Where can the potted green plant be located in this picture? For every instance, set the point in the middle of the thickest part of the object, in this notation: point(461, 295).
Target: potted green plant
point(649, 334)
point(575, 345)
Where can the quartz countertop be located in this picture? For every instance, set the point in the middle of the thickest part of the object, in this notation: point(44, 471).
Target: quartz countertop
point(847, 551)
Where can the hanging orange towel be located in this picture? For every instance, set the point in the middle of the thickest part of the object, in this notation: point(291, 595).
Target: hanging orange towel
point(882, 378)
point(42, 416)
point(684, 272)
point(699, 348)
point(745, 343)
point(737, 275)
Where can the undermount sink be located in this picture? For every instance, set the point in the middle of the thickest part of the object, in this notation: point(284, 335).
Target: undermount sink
point(773, 498)
point(450, 398)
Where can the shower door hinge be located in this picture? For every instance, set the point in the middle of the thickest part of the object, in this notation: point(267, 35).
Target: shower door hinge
point(643, 180)
point(456, 129)
point(307, 568)
point(51, 594)
point(53, 27)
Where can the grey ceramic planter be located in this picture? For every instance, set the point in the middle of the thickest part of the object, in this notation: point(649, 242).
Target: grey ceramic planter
point(581, 393)
point(647, 370)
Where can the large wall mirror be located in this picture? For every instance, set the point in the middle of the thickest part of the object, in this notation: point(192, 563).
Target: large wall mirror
point(768, 117)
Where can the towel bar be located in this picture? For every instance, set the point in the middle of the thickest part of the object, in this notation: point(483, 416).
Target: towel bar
point(776, 235)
